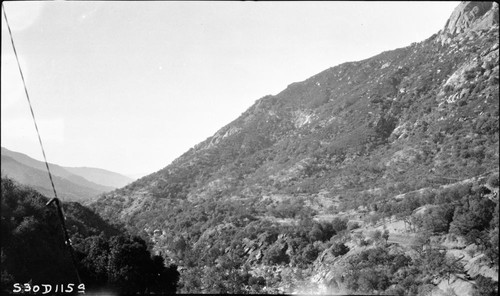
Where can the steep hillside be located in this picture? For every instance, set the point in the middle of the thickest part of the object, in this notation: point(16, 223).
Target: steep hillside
point(106, 257)
point(401, 120)
point(372, 138)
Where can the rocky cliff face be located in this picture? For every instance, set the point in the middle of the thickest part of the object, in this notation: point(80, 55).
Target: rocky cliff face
point(471, 16)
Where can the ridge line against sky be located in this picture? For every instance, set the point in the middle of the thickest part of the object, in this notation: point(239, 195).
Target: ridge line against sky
point(130, 86)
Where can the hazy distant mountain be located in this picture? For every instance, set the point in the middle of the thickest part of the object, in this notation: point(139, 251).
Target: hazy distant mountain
point(107, 179)
point(77, 184)
point(39, 180)
point(370, 140)
point(31, 162)
point(101, 176)
point(135, 176)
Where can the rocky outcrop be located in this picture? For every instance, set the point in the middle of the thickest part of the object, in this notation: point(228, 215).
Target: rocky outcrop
point(472, 16)
point(468, 17)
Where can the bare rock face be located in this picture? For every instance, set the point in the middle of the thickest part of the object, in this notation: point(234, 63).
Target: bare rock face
point(471, 16)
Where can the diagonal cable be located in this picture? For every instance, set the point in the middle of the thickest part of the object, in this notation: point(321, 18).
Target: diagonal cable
point(29, 101)
point(55, 199)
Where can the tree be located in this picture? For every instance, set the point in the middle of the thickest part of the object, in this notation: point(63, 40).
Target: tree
point(35, 249)
point(131, 268)
point(276, 254)
point(339, 249)
point(371, 280)
point(339, 224)
point(316, 233)
point(475, 213)
point(163, 280)
point(257, 283)
point(310, 253)
point(328, 230)
point(93, 258)
point(179, 245)
point(32, 240)
point(126, 264)
point(385, 235)
point(438, 219)
point(432, 262)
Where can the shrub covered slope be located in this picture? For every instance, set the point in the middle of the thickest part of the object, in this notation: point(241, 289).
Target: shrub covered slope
point(34, 252)
point(294, 189)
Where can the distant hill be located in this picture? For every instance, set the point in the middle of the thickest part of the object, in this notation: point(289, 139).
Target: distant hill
point(101, 176)
point(76, 184)
point(39, 180)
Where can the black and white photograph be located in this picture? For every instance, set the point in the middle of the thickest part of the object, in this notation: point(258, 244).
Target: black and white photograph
point(250, 147)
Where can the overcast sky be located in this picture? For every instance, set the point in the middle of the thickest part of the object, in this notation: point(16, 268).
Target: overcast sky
point(130, 86)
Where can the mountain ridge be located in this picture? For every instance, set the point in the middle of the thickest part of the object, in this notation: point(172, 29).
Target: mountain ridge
point(97, 175)
point(55, 169)
point(39, 180)
point(380, 87)
point(87, 184)
point(383, 139)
